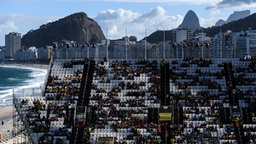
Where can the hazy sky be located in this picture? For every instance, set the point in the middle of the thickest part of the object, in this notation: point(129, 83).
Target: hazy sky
point(116, 15)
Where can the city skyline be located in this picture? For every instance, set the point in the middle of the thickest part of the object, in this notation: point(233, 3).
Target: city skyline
point(115, 16)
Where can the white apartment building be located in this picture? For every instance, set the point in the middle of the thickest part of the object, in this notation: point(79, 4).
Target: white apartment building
point(183, 35)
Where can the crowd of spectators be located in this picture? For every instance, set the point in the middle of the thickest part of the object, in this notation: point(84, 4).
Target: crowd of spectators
point(123, 91)
point(49, 118)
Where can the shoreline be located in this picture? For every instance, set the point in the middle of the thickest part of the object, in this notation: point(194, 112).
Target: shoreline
point(25, 65)
point(7, 111)
point(29, 84)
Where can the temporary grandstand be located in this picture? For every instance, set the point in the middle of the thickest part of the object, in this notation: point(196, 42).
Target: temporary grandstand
point(142, 101)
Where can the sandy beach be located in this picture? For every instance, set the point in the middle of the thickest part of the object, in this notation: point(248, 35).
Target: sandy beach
point(6, 112)
point(6, 126)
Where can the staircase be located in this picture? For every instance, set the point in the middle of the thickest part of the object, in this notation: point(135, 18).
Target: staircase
point(79, 129)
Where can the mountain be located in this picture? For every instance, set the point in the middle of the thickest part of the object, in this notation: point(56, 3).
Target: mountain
point(235, 26)
point(190, 21)
point(233, 17)
point(220, 22)
point(75, 27)
point(158, 36)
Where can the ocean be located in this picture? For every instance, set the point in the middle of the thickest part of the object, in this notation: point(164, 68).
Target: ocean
point(20, 81)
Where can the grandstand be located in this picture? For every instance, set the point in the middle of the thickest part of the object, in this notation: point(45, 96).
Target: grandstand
point(143, 101)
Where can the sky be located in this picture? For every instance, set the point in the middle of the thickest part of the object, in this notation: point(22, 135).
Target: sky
point(138, 17)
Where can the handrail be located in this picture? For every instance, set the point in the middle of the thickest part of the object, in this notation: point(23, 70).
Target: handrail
point(48, 72)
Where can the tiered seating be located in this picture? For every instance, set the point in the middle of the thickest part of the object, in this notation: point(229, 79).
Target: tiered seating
point(121, 95)
point(51, 117)
point(64, 81)
point(197, 86)
point(87, 103)
point(32, 110)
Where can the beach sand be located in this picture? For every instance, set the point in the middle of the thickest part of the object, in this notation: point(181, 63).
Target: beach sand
point(6, 114)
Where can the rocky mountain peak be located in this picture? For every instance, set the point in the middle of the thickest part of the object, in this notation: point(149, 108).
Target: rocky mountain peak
point(220, 22)
point(75, 27)
point(190, 21)
point(234, 16)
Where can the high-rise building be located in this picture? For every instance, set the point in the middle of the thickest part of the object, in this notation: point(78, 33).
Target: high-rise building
point(246, 43)
point(234, 44)
point(183, 35)
point(12, 44)
point(224, 45)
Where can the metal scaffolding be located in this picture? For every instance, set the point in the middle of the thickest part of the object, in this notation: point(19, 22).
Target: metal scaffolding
point(19, 131)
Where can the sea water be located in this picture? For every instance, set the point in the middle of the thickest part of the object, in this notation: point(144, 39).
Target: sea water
point(20, 81)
